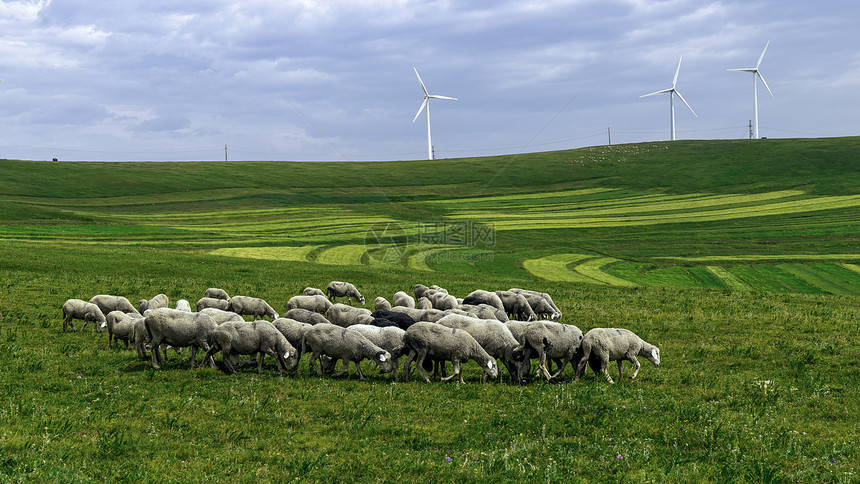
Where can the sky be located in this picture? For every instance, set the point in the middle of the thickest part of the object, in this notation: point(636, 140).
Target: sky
point(307, 80)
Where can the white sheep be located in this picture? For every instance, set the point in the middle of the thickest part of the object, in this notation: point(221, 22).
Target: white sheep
point(183, 305)
point(389, 338)
point(305, 316)
point(211, 302)
point(220, 317)
point(484, 311)
point(120, 326)
point(479, 296)
point(159, 301)
point(336, 289)
point(317, 303)
point(563, 345)
point(140, 338)
point(381, 304)
point(216, 293)
point(346, 345)
point(402, 299)
point(602, 345)
point(252, 306)
point(312, 291)
point(533, 298)
point(257, 337)
point(294, 331)
point(424, 303)
point(441, 300)
point(179, 329)
point(494, 337)
point(431, 340)
point(516, 306)
point(80, 309)
point(419, 290)
point(108, 303)
point(343, 315)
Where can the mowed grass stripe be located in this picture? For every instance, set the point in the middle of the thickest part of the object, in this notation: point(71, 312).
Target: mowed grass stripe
point(554, 268)
point(818, 279)
point(522, 196)
point(701, 201)
point(593, 269)
point(728, 278)
point(758, 280)
point(344, 255)
point(296, 254)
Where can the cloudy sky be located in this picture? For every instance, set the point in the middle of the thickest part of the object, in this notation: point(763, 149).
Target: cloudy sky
point(332, 80)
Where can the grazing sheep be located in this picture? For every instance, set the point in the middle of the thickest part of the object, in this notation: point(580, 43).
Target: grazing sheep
point(419, 290)
point(442, 300)
point(80, 309)
point(516, 306)
point(252, 306)
point(257, 337)
point(159, 301)
point(533, 296)
point(402, 299)
point(346, 345)
point(305, 316)
point(343, 315)
point(563, 346)
point(383, 323)
point(602, 345)
point(535, 338)
point(210, 302)
point(220, 317)
point(388, 338)
point(336, 289)
point(294, 331)
point(140, 338)
point(438, 342)
point(317, 303)
point(183, 305)
point(494, 337)
point(120, 326)
point(400, 319)
point(108, 303)
point(215, 293)
point(381, 304)
point(179, 329)
point(424, 303)
point(480, 296)
point(312, 291)
point(484, 311)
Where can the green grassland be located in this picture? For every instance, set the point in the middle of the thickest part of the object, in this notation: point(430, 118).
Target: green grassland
point(739, 259)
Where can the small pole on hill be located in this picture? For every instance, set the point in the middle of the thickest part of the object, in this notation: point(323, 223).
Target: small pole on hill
point(751, 131)
point(609, 134)
point(225, 152)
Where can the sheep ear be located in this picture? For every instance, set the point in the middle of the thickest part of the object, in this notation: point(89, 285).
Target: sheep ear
point(382, 358)
point(654, 353)
point(490, 364)
point(104, 325)
point(286, 355)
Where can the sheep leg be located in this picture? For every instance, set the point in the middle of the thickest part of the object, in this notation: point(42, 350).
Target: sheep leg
point(636, 367)
point(620, 374)
point(156, 355)
point(422, 354)
point(67, 321)
point(358, 368)
point(456, 364)
point(561, 365)
point(344, 371)
point(409, 359)
point(542, 366)
point(260, 356)
point(193, 356)
point(212, 350)
point(604, 363)
point(315, 355)
point(228, 361)
point(580, 367)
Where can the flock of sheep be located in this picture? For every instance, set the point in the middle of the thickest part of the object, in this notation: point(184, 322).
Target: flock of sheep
point(434, 327)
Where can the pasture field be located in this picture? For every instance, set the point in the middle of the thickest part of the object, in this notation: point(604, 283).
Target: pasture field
point(739, 260)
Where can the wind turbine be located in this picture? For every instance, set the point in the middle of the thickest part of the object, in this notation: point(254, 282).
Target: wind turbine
point(672, 92)
point(756, 75)
point(426, 104)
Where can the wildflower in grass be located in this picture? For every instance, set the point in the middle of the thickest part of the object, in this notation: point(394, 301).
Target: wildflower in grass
point(620, 456)
point(448, 458)
point(79, 376)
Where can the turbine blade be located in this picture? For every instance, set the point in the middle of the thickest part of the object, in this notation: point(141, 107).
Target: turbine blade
point(765, 83)
point(675, 80)
point(420, 81)
point(423, 105)
point(762, 54)
point(748, 69)
point(442, 97)
point(686, 103)
point(664, 91)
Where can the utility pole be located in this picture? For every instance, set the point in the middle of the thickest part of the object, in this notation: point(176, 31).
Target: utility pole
point(225, 152)
point(751, 130)
point(433, 153)
point(609, 134)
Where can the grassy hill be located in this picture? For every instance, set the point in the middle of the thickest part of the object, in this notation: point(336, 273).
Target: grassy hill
point(740, 259)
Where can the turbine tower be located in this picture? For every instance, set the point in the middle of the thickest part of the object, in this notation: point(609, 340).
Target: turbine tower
point(672, 92)
point(426, 104)
point(756, 75)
